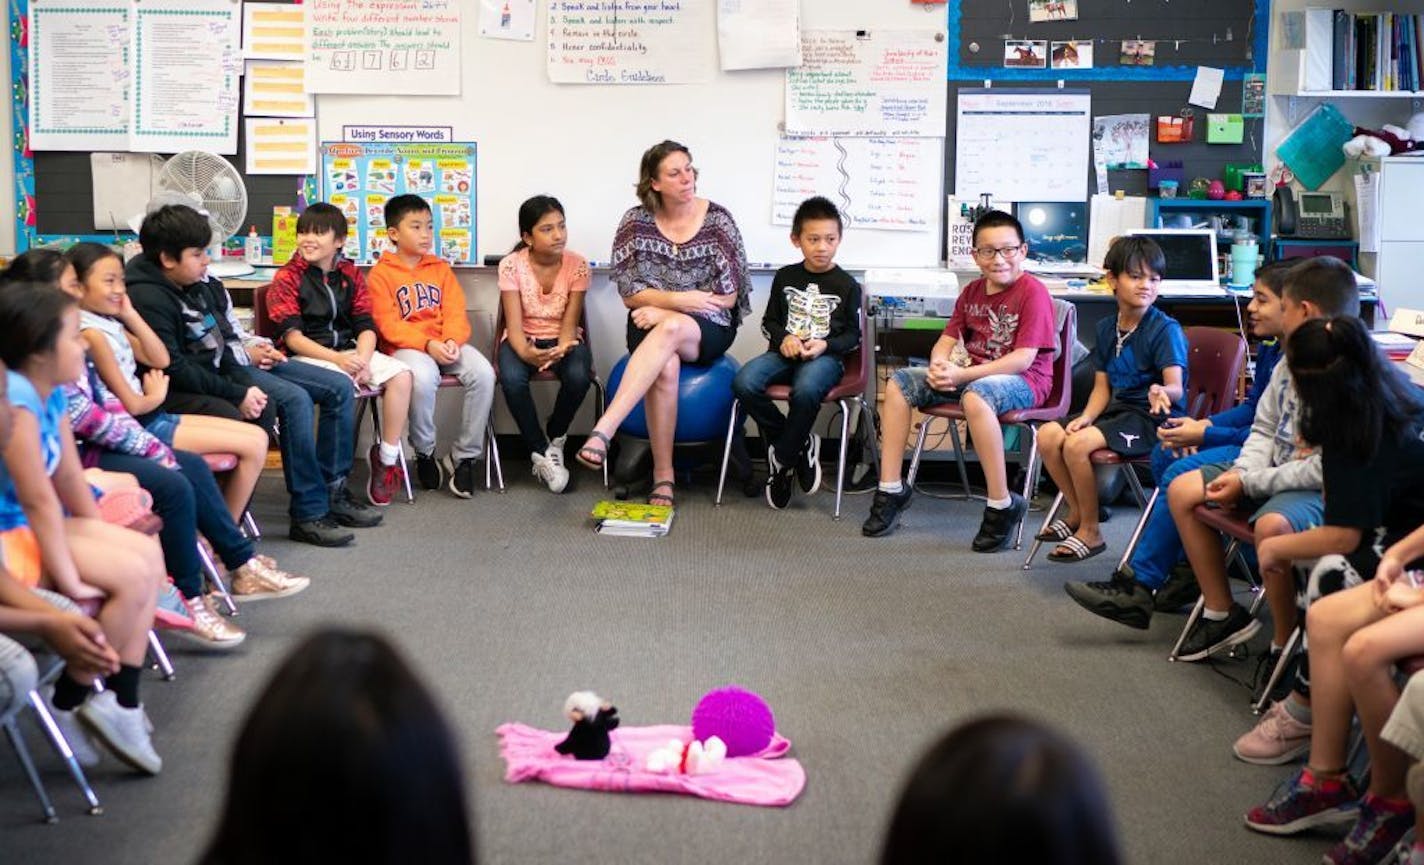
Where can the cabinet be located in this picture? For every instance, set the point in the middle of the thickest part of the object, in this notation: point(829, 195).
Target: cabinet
point(1399, 264)
point(1258, 210)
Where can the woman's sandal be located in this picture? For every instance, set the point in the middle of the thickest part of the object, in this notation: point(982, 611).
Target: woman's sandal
point(657, 498)
point(1058, 530)
point(591, 457)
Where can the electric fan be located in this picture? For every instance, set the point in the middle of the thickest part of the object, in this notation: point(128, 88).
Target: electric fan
point(221, 194)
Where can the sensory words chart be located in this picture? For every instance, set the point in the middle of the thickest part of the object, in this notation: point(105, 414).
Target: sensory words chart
point(361, 178)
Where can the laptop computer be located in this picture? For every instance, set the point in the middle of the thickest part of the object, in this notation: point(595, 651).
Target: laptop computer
point(1192, 263)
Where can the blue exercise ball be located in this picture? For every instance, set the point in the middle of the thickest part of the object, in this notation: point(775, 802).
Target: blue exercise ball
point(704, 401)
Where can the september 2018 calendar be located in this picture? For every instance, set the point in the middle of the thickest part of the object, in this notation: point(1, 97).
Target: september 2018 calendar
point(361, 178)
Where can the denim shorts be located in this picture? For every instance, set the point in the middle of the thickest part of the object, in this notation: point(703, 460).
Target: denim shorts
point(1303, 509)
point(161, 425)
point(1001, 392)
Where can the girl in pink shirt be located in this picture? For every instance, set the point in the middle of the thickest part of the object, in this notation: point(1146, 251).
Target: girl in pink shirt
point(541, 289)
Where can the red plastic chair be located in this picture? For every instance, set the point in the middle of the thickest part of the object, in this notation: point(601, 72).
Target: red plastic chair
point(1214, 362)
point(1060, 397)
point(859, 365)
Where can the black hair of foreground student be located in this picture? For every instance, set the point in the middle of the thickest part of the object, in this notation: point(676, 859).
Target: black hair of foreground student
point(1002, 788)
point(344, 758)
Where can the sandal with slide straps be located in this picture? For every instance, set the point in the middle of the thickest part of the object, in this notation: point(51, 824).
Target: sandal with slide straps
point(1058, 530)
point(657, 498)
point(592, 457)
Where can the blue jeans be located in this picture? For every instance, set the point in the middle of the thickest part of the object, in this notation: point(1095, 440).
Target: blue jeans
point(574, 380)
point(810, 381)
point(313, 461)
point(189, 501)
point(1160, 547)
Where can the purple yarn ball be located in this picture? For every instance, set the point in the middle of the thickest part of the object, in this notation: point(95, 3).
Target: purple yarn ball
point(738, 717)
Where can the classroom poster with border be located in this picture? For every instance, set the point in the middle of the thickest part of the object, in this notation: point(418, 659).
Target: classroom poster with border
point(361, 178)
point(79, 95)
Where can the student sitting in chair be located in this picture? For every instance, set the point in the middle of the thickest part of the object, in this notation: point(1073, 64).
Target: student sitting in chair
point(1141, 362)
point(420, 315)
point(812, 322)
point(322, 311)
point(1185, 445)
point(1004, 322)
point(542, 287)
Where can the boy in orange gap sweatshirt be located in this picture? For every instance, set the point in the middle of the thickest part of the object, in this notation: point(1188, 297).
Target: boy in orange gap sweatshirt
point(419, 311)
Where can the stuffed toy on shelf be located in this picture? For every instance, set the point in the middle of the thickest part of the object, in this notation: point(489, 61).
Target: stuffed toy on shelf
point(1389, 141)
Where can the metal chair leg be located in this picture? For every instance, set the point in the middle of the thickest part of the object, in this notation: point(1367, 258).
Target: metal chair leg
point(1030, 480)
point(56, 738)
point(915, 457)
point(160, 657)
point(602, 396)
point(1192, 618)
point(959, 458)
point(726, 452)
point(1141, 522)
point(249, 526)
point(841, 461)
point(1047, 518)
point(12, 731)
point(1287, 655)
point(210, 570)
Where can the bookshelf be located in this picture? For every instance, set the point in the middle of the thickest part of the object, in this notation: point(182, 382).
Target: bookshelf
point(1311, 70)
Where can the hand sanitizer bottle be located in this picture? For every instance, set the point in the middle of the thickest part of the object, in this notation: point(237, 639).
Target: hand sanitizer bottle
point(252, 252)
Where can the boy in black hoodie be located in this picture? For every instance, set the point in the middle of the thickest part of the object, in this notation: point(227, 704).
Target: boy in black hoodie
point(812, 322)
point(170, 288)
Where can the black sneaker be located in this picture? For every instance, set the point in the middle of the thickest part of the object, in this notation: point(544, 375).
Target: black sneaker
point(998, 524)
point(1180, 590)
point(463, 477)
point(1121, 599)
point(1265, 666)
point(430, 472)
point(778, 483)
point(1209, 636)
point(323, 532)
point(884, 512)
point(808, 466)
point(351, 512)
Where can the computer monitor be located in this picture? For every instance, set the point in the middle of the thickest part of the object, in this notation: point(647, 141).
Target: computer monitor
point(1192, 265)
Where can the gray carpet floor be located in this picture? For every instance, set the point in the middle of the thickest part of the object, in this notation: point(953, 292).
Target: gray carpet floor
point(866, 650)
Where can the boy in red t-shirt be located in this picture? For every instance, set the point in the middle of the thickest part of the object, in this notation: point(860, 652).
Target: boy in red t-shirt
point(1005, 323)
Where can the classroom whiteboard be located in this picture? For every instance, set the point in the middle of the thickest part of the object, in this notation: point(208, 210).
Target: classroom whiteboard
point(582, 143)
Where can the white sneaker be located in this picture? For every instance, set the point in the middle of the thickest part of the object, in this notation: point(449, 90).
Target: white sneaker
point(123, 731)
point(210, 630)
point(556, 450)
point(553, 475)
point(260, 578)
point(73, 733)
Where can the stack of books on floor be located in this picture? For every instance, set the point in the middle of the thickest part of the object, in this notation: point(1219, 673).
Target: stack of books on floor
point(632, 519)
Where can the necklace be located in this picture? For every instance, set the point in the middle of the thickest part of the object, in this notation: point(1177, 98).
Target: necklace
point(1122, 336)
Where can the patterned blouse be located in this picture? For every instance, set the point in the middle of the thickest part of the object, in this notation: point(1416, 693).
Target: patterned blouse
point(713, 260)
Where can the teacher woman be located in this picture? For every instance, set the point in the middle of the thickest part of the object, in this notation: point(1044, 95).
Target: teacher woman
point(680, 267)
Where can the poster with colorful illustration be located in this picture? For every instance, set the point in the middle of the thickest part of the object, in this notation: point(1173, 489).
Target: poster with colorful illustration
point(361, 178)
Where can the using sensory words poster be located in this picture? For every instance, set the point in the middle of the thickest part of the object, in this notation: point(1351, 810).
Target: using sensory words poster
point(361, 178)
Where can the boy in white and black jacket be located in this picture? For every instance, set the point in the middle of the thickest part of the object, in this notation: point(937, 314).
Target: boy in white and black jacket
point(812, 322)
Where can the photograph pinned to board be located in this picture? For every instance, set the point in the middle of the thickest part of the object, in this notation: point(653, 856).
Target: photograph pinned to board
point(1025, 53)
point(1120, 140)
point(1074, 54)
point(1253, 94)
point(507, 19)
point(1138, 52)
point(1052, 10)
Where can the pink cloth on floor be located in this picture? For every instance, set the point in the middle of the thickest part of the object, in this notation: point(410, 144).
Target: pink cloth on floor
point(759, 779)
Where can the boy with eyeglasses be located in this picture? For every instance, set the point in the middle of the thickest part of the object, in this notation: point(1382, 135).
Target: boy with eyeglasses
point(1002, 330)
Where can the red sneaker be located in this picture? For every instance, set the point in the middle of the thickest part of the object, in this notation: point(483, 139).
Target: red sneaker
point(385, 480)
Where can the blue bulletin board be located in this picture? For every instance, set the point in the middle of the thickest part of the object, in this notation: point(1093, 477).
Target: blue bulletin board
point(361, 178)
